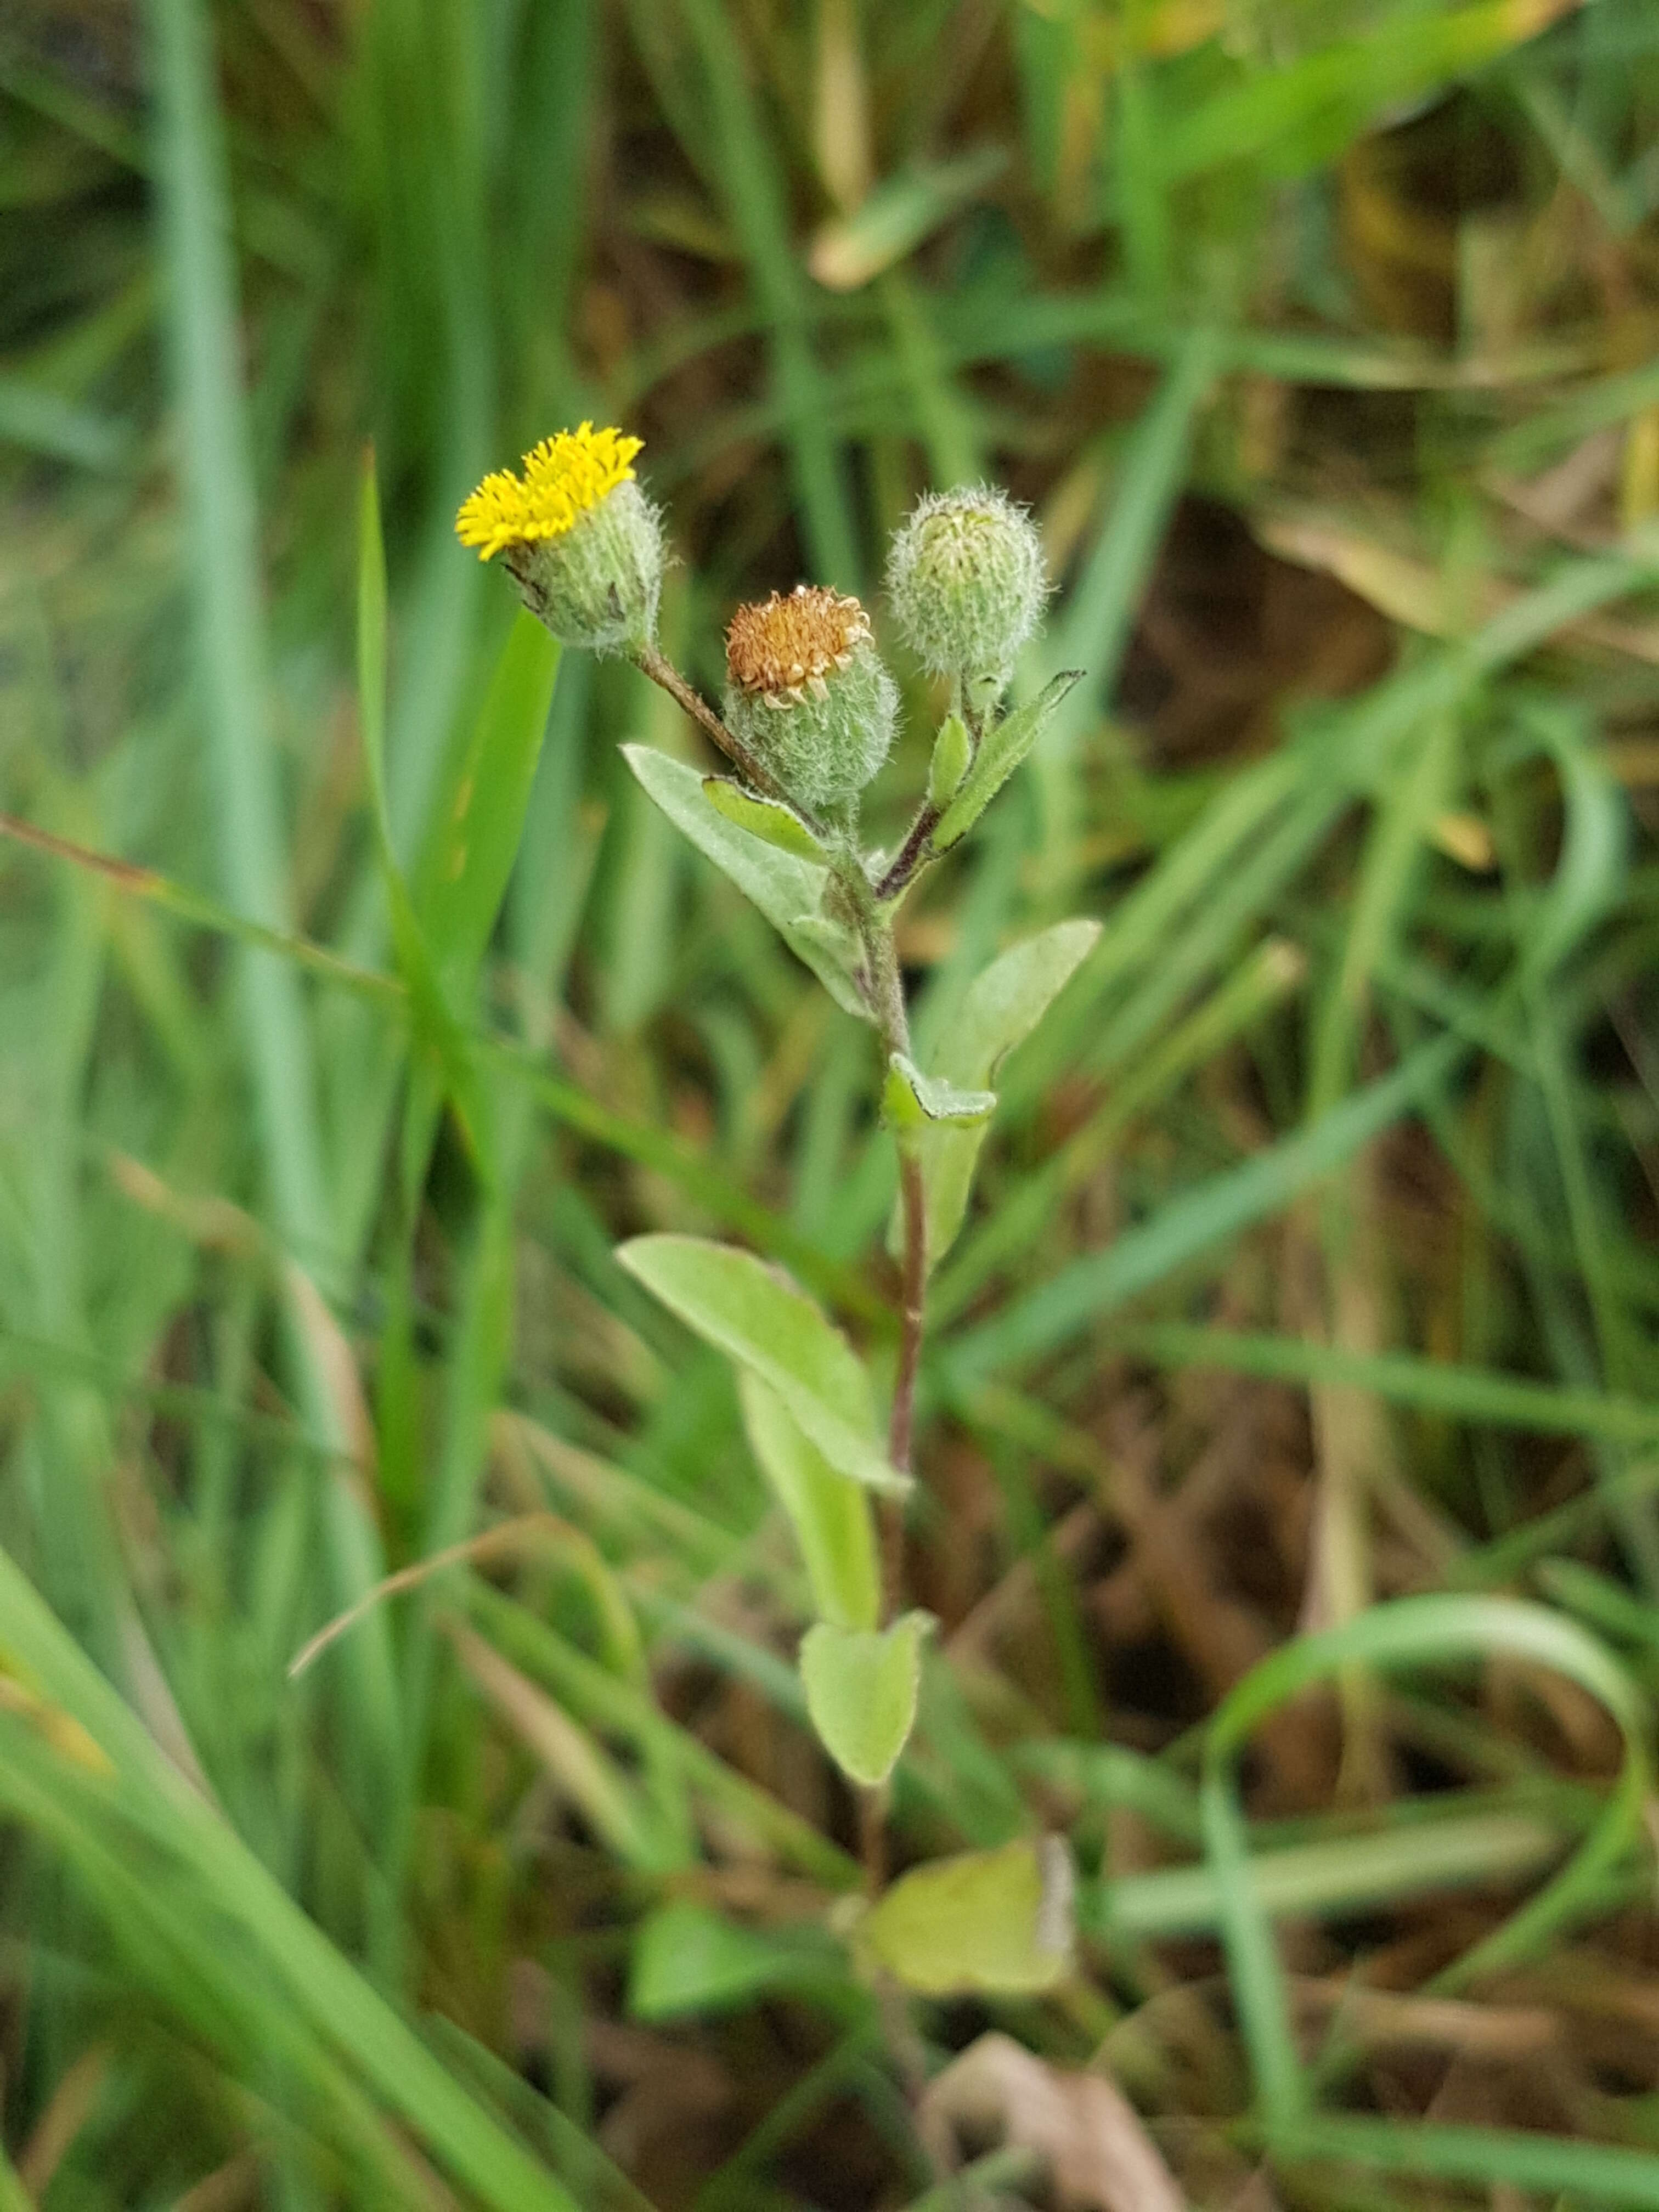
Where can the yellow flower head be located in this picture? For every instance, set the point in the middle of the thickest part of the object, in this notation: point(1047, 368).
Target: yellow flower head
point(563, 476)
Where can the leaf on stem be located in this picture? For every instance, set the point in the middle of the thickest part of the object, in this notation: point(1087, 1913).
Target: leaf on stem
point(477, 817)
point(911, 1100)
point(829, 1515)
point(767, 1324)
point(785, 887)
point(997, 1921)
point(769, 820)
point(1001, 752)
point(953, 756)
point(861, 1689)
point(1004, 1005)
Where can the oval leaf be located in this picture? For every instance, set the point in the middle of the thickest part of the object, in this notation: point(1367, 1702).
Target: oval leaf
point(1004, 1005)
point(862, 1692)
point(829, 1515)
point(782, 885)
point(758, 1317)
point(989, 1920)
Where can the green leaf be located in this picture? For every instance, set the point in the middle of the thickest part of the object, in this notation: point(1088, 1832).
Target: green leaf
point(953, 756)
point(999, 754)
point(446, 1065)
point(829, 1515)
point(997, 1921)
point(472, 840)
point(786, 887)
point(1199, 1219)
point(833, 939)
point(1003, 1006)
point(861, 1688)
point(911, 1100)
point(140, 1818)
point(688, 1959)
point(766, 819)
point(896, 215)
point(1439, 1629)
point(766, 1323)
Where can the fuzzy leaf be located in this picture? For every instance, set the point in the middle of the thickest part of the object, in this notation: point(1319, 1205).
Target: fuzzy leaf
point(911, 1100)
point(996, 1921)
point(832, 939)
point(1001, 752)
point(952, 754)
point(829, 1515)
point(766, 819)
point(786, 887)
point(758, 1317)
point(861, 1689)
point(1004, 1005)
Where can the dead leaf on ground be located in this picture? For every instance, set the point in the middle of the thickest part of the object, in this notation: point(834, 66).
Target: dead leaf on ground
point(1100, 2156)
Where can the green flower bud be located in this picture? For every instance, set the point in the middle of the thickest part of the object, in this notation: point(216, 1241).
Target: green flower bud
point(808, 693)
point(967, 583)
point(581, 539)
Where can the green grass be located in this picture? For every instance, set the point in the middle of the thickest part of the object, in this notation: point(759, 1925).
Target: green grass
point(354, 1004)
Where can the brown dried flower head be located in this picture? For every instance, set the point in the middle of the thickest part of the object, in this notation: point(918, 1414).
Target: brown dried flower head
point(784, 647)
point(807, 690)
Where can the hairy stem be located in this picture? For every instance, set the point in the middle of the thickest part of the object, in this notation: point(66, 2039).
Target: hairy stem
point(914, 1204)
point(662, 671)
point(912, 855)
point(885, 990)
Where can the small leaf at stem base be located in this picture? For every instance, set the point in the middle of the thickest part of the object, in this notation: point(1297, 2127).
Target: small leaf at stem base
point(998, 1921)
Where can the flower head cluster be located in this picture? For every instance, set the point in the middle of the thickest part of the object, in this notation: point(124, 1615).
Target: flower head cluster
point(810, 710)
point(808, 692)
point(563, 478)
point(581, 541)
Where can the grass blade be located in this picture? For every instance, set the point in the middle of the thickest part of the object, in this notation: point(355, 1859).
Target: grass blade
point(1097, 1284)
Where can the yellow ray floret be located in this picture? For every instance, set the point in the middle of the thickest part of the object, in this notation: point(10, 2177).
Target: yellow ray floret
point(563, 476)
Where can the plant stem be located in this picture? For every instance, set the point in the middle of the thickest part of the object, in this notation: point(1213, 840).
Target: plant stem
point(885, 990)
point(662, 671)
point(911, 855)
point(913, 1202)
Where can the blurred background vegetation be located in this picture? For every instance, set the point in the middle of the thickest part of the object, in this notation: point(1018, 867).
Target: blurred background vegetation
point(1314, 1263)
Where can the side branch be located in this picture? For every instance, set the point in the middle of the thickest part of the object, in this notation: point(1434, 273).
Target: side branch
point(662, 672)
point(911, 855)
